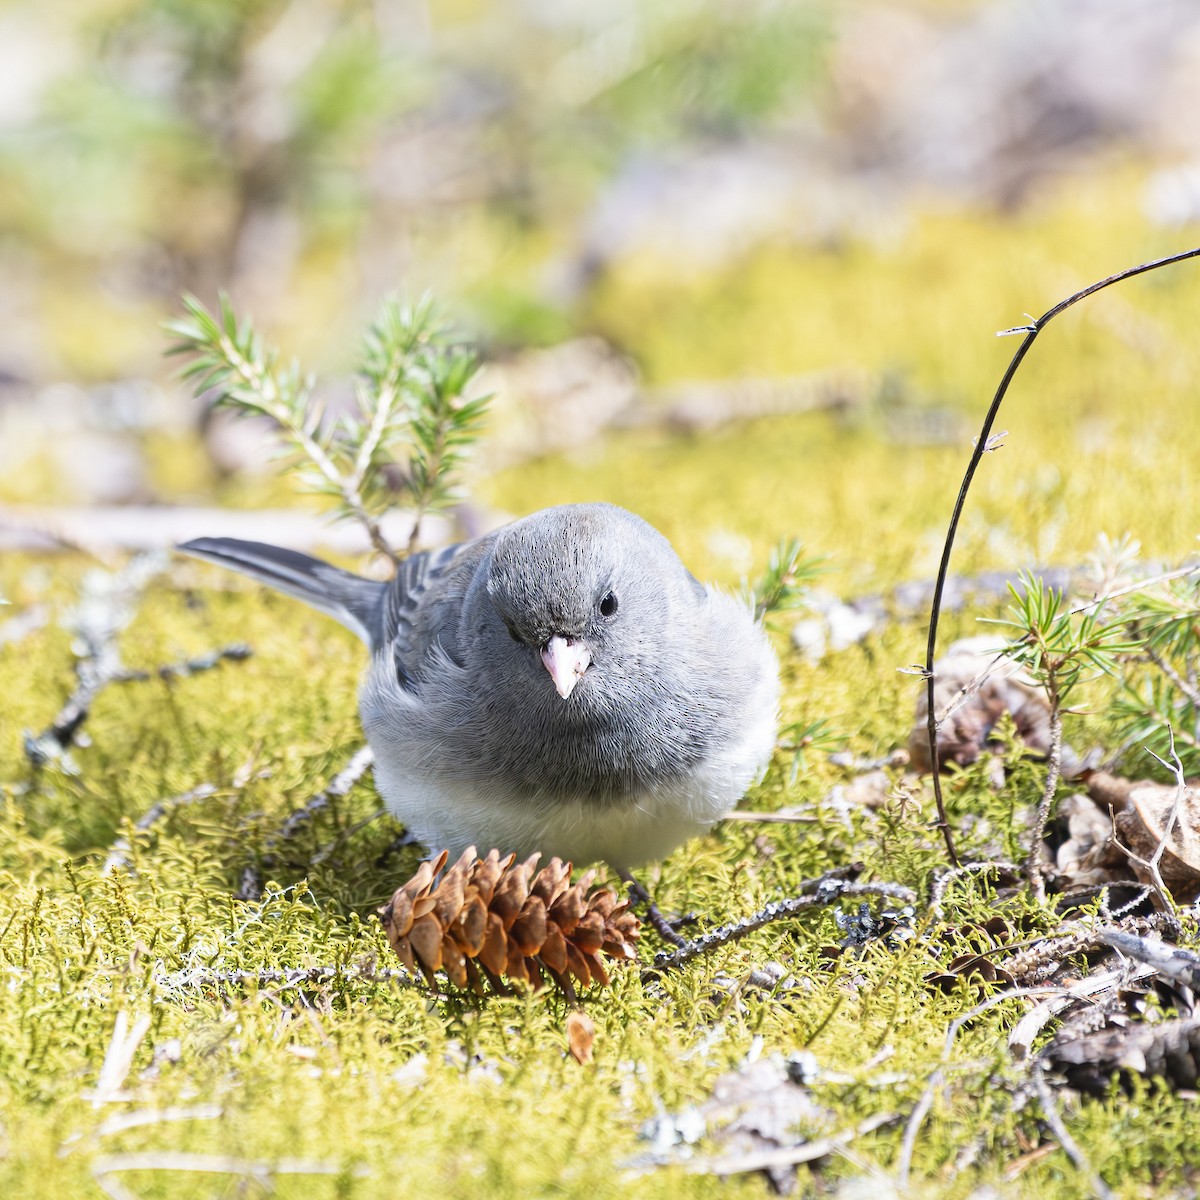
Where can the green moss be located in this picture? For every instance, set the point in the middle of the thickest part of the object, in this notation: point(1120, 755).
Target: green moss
point(458, 1097)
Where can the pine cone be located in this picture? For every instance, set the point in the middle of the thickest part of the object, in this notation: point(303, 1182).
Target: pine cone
point(508, 920)
point(1169, 1050)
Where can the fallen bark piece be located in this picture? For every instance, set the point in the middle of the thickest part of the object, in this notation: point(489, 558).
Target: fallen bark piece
point(1159, 823)
point(1090, 856)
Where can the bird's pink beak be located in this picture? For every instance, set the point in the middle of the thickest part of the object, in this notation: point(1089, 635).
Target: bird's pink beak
point(566, 659)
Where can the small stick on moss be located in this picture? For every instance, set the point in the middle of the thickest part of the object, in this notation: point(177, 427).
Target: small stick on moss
point(339, 786)
point(108, 601)
point(949, 875)
point(57, 738)
point(1172, 961)
point(235, 652)
point(1033, 862)
point(1023, 1033)
point(202, 977)
point(937, 1078)
point(788, 1156)
point(983, 443)
point(360, 763)
point(814, 893)
point(263, 1173)
point(1052, 1118)
point(118, 856)
point(654, 916)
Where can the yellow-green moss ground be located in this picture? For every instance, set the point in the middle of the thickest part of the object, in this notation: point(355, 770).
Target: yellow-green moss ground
point(467, 1098)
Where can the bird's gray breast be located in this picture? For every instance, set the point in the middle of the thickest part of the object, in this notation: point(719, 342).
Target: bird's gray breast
point(602, 749)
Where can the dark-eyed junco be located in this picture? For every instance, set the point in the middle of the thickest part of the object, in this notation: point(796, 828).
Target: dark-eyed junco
point(561, 685)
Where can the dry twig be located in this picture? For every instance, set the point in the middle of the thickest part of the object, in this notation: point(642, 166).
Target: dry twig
point(788, 1156)
point(1153, 865)
point(937, 1078)
point(826, 889)
point(262, 1172)
point(1052, 1117)
point(1033, 863)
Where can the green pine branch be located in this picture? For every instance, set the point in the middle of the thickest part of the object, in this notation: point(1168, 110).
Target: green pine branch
point(413, 415)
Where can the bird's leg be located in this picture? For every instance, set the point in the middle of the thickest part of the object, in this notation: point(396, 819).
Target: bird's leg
point(660, 924)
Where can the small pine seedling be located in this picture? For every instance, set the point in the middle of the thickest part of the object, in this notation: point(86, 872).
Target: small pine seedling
point(414, 373)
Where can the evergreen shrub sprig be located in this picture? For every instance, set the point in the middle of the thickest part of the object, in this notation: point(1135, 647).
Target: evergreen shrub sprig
point(415, 419)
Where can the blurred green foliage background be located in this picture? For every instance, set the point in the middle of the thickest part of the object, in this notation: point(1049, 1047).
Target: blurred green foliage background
point(720, 191)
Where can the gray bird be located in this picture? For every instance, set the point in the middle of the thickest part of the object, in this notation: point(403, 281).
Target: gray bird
point(561, 685)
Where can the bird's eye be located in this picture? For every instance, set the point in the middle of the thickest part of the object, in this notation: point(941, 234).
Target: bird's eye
point(512, 633)
point(608, 606)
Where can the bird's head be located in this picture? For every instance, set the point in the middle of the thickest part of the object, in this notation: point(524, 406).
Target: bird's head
point(588, 587)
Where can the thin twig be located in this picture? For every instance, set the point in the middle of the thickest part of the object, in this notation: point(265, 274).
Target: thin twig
point(97, 670)
point(945, 878)
point(814, 893)
point(361, 762)
point(118, 1058)
point(1033, 864)
point(235, 652)
point(1174, 676)
point(118, 856)
point(937, 1078)
point(779, 817)
point(654, 916)
point(202, 977)
point(1153, 865)
point(982, 443)
point(1164, 958)
point(1051, 1115)
point(1181, 790)
point(1022, 1034)
point(788, 1156)
point(261, 1171)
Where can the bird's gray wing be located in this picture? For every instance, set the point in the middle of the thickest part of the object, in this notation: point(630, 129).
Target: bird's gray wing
point(356, 602)
point(424, 604)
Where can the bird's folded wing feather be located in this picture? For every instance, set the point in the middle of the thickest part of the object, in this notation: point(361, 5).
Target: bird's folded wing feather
point(424, 603)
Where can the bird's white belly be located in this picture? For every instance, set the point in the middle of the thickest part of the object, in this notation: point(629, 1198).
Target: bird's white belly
point(444, 813)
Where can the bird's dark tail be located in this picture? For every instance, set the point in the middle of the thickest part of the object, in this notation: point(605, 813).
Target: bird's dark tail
point(356, 602)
